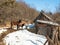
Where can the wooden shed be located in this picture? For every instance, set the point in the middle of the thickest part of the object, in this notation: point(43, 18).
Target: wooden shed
point(42, 27)
point(48, 27)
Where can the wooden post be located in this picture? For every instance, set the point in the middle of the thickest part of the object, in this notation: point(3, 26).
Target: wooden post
point(59, 33)
point(54, 40)
point(36, 27)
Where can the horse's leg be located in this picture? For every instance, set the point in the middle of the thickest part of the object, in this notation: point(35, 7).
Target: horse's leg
point(17, 26)
point(11, 25)
point(36, 28)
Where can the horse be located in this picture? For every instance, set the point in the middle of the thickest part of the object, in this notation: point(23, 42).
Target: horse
point(15, 23)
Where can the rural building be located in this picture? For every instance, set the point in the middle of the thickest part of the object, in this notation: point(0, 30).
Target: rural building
point(48, 27)
point(41, 26)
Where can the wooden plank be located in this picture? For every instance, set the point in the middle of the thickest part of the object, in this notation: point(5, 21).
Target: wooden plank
point(48, 17)
point(48, 22)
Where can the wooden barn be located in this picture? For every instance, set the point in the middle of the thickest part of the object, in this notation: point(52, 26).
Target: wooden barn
point(48, 27)
point(42, 27)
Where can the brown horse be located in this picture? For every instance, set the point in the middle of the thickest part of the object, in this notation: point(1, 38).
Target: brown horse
point(15, 23)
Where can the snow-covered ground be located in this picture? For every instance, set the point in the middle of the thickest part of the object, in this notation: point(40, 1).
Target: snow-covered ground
point(24, 37)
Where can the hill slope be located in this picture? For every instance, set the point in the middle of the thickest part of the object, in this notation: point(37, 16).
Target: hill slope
point(12, 10)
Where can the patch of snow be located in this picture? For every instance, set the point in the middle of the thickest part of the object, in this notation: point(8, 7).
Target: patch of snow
point(2, 30)
point(24, 37)
point(31, 25)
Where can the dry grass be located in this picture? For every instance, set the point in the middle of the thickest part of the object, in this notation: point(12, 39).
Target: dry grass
point(1, 43)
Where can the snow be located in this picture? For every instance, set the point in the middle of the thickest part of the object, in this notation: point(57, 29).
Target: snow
point(26, 26)
point(29, 26)
point(2, 30)
point(24, 37)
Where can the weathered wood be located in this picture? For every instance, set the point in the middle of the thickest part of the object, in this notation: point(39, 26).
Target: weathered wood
point(53, 35)
point(48, 17)
point(36, 27)
point(48, 22)
point(59, 33)
point(54, 40)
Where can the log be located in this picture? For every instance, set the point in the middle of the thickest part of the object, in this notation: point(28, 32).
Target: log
point(48, 22)
point(54, 40)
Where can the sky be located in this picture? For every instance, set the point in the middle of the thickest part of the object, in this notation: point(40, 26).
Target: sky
point(46, 5)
